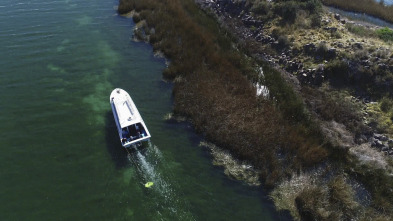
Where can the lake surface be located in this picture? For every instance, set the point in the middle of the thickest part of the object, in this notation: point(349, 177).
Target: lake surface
point(387, 2)
point(60, 154)
point(362, 17)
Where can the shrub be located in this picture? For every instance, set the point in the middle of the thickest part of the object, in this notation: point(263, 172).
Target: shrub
point(277, 32)
point(315, 21)
point(321, 51)
point(260, 7)
point(361, 54)
point(311, 204)
point(342, 197)
point(370, 7)
point(313, 6)
point(386, 104)
point(125, 6)
point(283, 41)
point(338, 72)
point(136, 18)
point(360, 30)
point(385, 34)
point(287, 10)
point(334, 105)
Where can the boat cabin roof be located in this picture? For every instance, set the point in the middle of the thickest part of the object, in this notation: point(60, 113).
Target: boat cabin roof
point(126, 111)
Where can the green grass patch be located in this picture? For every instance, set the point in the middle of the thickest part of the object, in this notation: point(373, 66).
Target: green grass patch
point(360, 30)
point(385, 34)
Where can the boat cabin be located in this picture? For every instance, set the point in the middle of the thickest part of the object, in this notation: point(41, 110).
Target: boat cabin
point(132, 133)
point(130, 125)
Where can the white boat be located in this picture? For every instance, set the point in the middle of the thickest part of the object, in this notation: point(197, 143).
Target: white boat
point(130, 125)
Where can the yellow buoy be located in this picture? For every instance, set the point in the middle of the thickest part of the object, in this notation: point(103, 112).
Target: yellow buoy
point(149, 184)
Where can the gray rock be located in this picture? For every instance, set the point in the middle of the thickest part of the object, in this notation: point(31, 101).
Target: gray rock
point(378, 136)
point(384, 138)
point(366, 63)
point(357, 45)
point(384, 148)
point(331, 29)
point(379, 144)
point(337, 17)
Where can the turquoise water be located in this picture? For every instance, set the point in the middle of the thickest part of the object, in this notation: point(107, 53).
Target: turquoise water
point(60, 155)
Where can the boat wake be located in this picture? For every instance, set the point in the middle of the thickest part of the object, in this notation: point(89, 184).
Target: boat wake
point(148, 164)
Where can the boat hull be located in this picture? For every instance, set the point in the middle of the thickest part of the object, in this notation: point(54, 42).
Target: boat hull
point(130, 125)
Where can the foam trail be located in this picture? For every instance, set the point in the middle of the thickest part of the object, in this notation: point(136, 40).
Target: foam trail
point(146, 166)
point(156, 151)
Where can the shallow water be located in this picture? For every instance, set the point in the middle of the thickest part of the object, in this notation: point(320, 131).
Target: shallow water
point(364, 17)
point(361, 17)
point(60, 155)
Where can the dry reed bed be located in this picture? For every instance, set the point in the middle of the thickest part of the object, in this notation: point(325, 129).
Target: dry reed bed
point(370, 7)
point(213, 89)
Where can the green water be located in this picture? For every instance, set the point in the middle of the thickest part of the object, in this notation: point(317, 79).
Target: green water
point(60, 155)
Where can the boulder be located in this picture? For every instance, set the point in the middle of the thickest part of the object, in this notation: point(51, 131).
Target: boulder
point(337, 17)
point(381, 137)
point(331, 29)
point(379, 144)
point(384, 138)
point(309, 48)
point(384, 148)
point(357, 45)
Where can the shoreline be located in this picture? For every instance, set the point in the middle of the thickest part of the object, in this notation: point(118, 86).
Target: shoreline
point(360, 20)
point(370, 7)
point(274, 172)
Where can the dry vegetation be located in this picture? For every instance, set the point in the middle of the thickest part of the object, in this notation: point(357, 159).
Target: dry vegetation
point(370, 7)
point(214, 89)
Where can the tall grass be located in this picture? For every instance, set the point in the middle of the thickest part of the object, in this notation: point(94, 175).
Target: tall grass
point(212, 87)
point(370, 7)
point(214, 91)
